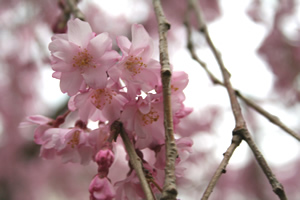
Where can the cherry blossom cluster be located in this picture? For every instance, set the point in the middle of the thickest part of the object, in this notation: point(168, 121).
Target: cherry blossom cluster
point(107, 86)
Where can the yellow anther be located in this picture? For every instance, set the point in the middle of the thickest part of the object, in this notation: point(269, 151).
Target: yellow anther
point(150, 117)
point(75, 139)
point(83, 60)
point(135, 65)
point(174, 88)
point(101, 97)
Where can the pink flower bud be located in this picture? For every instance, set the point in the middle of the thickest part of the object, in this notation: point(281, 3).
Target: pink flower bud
point(104, 159)
point(101, 189)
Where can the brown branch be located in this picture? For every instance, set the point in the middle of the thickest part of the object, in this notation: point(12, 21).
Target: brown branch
point(272, 118)
point(236, 140)
point(135, 160)
point(169, 188)
point(240, 129)
point(276, 186)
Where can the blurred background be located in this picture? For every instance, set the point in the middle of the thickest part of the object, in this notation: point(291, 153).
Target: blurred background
point(259, 41)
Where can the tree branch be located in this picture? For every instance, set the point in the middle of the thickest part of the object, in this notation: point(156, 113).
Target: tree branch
point(135, 160)
point(235, 142)
point(272, 118)
point(240, 129)
point(276, 186)
point(169, 188)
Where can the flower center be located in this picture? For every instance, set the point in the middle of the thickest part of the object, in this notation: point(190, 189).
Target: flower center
point(75, 139)
point(102, 96)
point(135, 65)
point(150, 117)
point(174, 88)
point(83, 60)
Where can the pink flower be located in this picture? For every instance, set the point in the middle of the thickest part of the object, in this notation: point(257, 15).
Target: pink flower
point(178, 83)
point(99, 104)
point(129, 188)
point(76, 147)
point(136, 68)
point(73, 145)
point(81, 57)
point(144, 118)
point(184, 149)
point(101, 189)
point(44, 124)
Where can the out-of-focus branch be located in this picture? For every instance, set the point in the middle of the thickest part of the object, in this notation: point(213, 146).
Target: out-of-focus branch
point(68, 7)
point(240, 131)
point(135, 160)
point(169, 188)
point(72, 4)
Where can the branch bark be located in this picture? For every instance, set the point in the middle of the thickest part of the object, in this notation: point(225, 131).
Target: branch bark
point(135, 160)
point(235, 142)
point(169, 188)
point(240, 131)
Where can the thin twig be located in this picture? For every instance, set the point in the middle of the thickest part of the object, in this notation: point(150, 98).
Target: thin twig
point(272, 118)
point(240, 129)
point(135, 160)
point(236, 140)
point(276, 186)
point(169, 188)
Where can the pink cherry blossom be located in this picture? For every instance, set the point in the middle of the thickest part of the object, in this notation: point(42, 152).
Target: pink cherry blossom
point(81, 57)
point(144, 118)
point(184, 148)
point(136, 68)
point(99, 104)
point(72, 145)
point(44, 124)
point(101, 189)
point(129, 188)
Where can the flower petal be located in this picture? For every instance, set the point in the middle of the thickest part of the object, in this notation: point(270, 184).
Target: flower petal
point(124, 44)
point(141, 42)
point(70, 82)
point(95, 77)
point(98, 45)
point(79, 32)
point(39, 119)
point(63, 50)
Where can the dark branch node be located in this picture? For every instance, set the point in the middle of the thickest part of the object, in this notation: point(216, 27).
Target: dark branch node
point(167, 73)
point(240, 132)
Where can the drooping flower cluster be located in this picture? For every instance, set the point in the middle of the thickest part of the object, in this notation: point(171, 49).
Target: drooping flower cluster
point(104, 87)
